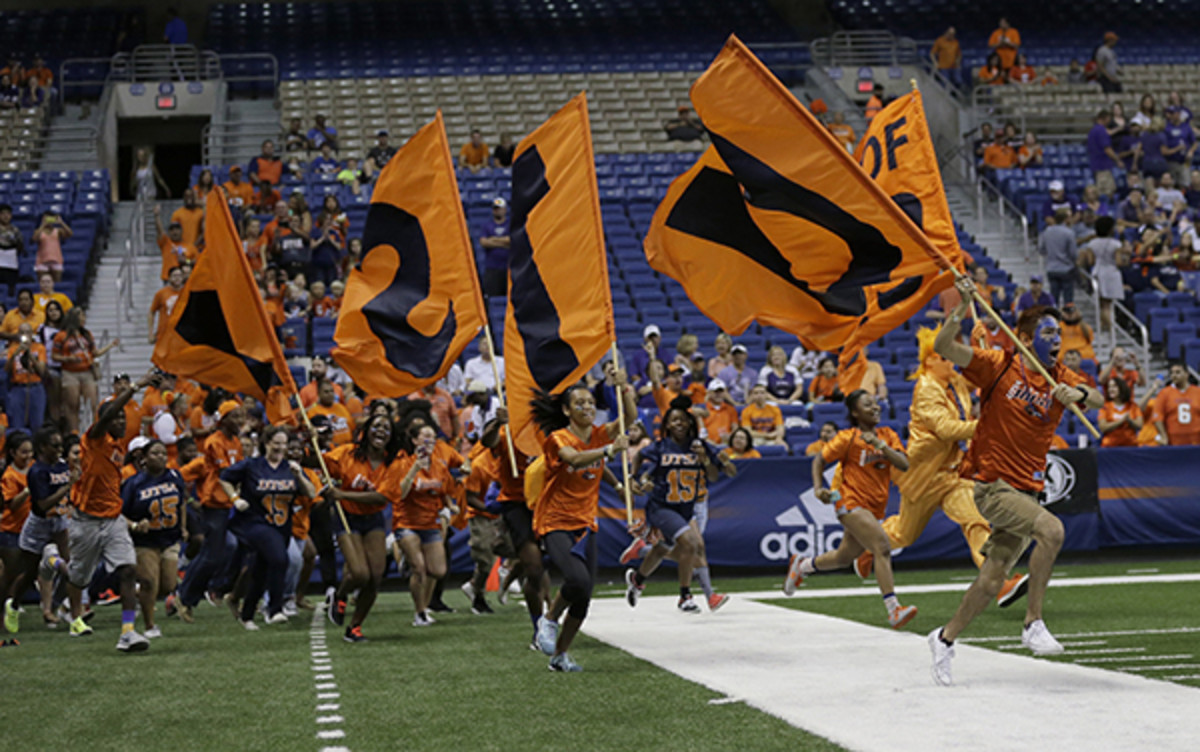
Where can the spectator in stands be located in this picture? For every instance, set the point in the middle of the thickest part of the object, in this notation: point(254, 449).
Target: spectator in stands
point(170, 244)
point(441, 406)
point(993, 294)
point(48, 237)
point(10, 93)
point(42, 75)
point(382, 152)
point(293, 248)
point(980, 145)
point(479, 368)
point(824, 386)
point(205, 182)
point(1102, 158)
point(737, 376)
point(875, 103)
point(946, 56)
point(1057, 246)
point(874, 382)
point(1120, 419)
point(1036, 295)
point(325, 163)
point(1123, 365)
point(1104, 249)
point(763, 420)
point(319, 370)
point(331, 208)
point(294, 138)
point(1132, 211)
point(1073, 361)
point(1108, 70)
point(1011, 136)
point(722, 417)
point(163, 303)
point(741, 446)
point(805, 361)
point(12, 245)
point(502, 155)
point(46, 293)
point(1147, 111)
point(1076, 333)
point(1175, 99)
point(988, 334)
point(639, 362)
point(75, 349)
point(1005, 42)
point(1058, 199)
point(52, 380)
point(1000, 155)
point(355, 178)
point(298, 207)
point(1168, 197)
point(26, 367)
point(1075, 74)
point(1117, 122)
point(782, 381)
point(190, 217)
point(32, 95)
point(828, 430)
point(238, 192)
point(321, 306)
point(266, 166)
point(842, 131)
point(685, 126)
point(1022, 72)
point(685, 348)
point(144, 178)
point(1176, 407)
point(1030, 154)
point(328, 248)
point(321, 134)
point(1128, 145)
point(819, 110)
point(494, 240)
point(1152, 255)
point(1091, 201)
point(1154, 149)
point(265, 197)
point(1181, 146)
point(723, 358)
point(176, 31)
point(473, 155)
point(991, 73)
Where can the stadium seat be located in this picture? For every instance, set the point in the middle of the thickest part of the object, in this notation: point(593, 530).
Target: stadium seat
point(1176, 335)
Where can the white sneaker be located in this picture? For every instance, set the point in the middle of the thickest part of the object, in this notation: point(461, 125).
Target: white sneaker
point(688, 605)
point(289, 607)
point(250, 626)
point(469, 591)
point(132, 642)
point(514, 587)
point(421, 619)
point(279, 618)
point(942, 653)
point(633, 591)
point(1038, 639)
point(153, 633)
point(795, 575)
point(547, 635)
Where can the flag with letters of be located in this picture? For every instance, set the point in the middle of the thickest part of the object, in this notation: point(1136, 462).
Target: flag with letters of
point(559, 322)
point(219, 333)
point(413, 302)
point(777, 223)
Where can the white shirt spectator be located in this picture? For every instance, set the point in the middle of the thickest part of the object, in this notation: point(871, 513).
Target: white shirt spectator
point(480, 370)
point(1168, 197)
point(454, 381)
point(805, 361)
point(1141, 119)
point(474, 418)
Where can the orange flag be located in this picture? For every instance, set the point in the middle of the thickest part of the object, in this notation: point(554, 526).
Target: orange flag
point(219, 333)
point(559, 321)
point(777, 223)
point(413, 303)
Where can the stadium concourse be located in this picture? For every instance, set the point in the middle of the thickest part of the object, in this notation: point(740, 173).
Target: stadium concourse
point(165, 492)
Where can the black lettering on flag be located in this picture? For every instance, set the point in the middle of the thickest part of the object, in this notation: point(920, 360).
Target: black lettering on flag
point(550, 359)
point(202, 323)
point(387, 313)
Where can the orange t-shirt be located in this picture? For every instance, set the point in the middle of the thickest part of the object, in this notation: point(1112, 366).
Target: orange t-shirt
point(815, 447)
point(1000, 156)
point(1022, 74)
point(1124, 436)
point(1017, 420)
point(485, 470)
point(20, 374)
point(12, 483)
point(570, 495)
point(220, 451)
point(729, 454)
point(511, 488)
point(133, 420)
point(174, 254)
point(470, 154)
point(1180, 413)
point(1148, 436)
point(163, 303)
point(355, 475)
point(341, 424)
point(720, 421)
point(946, 51)
point(426, 497)
point(324, 307)
point(308, 393)
point(822, 386)
point(866, 472)
point(98, 491)
point(68, 346)
point(240, 195)
point(761, 419)
point(152, 402)
point(1076, 337)
point(189, 220)
point(1008, 55)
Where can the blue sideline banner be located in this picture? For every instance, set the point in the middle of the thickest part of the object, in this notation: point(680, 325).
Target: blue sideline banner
point(1149, 496)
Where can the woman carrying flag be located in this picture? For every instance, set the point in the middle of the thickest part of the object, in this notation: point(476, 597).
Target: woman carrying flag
point(575, 451)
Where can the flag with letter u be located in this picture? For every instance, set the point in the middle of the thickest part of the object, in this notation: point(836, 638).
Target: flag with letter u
point(777, 223)
point(413, 303)
point(219, 333)
point(559, 321)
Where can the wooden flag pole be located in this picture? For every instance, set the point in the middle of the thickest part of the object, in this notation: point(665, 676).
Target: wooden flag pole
point(624, 454)
point(512, 453)
point(312, 435)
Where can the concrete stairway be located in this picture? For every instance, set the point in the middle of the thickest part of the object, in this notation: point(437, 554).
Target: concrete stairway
point(70, 142)
point(247, 123)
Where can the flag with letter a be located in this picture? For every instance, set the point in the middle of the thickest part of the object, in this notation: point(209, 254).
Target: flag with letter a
point(777, 223)
point(559, 321)
point(413, 303)
point(219, 333)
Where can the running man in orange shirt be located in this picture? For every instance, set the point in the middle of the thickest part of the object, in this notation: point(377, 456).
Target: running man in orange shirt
point(1177, 409)
point(1019, 412)
point(564, 517)
point(97, 530)
point(867, 453)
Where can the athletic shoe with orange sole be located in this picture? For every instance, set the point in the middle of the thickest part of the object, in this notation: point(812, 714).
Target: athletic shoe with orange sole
point(716, 600)
point(794, 576)
point(633, 551)
point(901, 615)
point(1012, 590)
point(864, 565)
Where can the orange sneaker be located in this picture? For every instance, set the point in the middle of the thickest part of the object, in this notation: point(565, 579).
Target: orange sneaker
point(1012, 590)
point(901, 615)
point(864, 565)
point(716, 600)
point(794, 576)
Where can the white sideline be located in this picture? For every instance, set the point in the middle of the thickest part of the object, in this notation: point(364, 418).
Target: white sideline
point(869, 688)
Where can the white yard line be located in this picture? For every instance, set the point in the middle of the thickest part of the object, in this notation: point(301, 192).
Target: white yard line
point(1166, 667)
point(1117, 633)
point(1102, 651)
point(1125, 658)
point(869, 688)
point(329, 723)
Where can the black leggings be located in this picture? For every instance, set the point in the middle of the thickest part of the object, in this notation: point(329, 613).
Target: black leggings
point(578, 575)
point(320, 532)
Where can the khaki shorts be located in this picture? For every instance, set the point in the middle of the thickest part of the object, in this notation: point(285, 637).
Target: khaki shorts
point(78, 378)
point(158, 567)
point(1012, 514)
point(488, 539)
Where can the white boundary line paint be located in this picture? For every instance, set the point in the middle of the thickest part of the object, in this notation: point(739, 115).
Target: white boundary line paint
point(1126, 658)
point(329, 722)
point(1167, 667)
point(1118, 633)
point(869, 688)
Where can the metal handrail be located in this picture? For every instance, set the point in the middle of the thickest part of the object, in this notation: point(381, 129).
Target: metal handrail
point(983, 184)
point(262, 56)
point(64, 83)
point(1143, 338)
point(864, 48)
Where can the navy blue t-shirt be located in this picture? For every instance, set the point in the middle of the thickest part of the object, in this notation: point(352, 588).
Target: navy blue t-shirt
point(160, 499)
point(270, 491)
point(678, 476)
point(494, 258)
point(44, 480)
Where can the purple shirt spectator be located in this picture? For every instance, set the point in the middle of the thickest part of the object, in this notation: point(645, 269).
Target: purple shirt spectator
point(1027, 300)
point(1153, 161)
point(1176, 135)
point(494, 258)
point(1097, 141)
point(739, 384)
point(176, 31)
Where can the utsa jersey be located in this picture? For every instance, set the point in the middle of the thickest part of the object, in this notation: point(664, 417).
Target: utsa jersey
point(270, 491)
point(44, 480)
point(160, 500)
point(679, 478)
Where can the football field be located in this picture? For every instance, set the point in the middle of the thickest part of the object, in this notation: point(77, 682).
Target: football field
point(765, 673)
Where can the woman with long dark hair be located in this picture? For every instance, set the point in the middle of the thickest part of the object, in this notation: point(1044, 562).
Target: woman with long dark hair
point(75, 350)
point(53, 379)
point(575, 452)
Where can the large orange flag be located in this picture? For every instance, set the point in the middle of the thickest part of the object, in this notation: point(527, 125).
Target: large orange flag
point(777, 223)
point(413, 303)
point(219, 332)
point(897, 152)
point(559, 321)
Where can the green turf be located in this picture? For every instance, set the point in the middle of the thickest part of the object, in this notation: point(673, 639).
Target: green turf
point(469, 682)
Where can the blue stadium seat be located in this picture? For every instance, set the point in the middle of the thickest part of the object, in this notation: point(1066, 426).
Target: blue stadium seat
point(1176, 335)
point(1158, 321)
